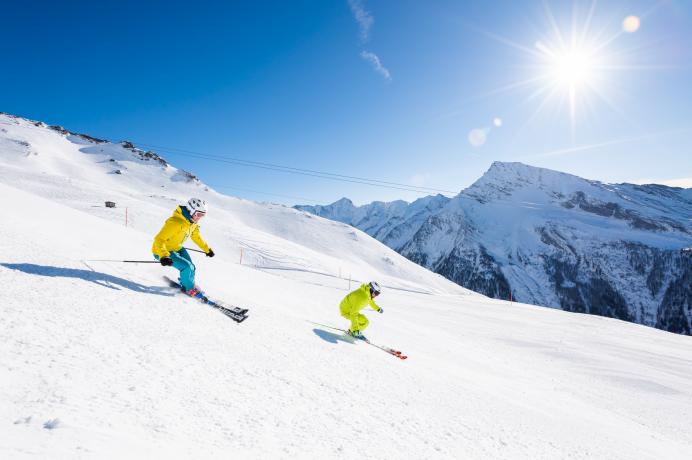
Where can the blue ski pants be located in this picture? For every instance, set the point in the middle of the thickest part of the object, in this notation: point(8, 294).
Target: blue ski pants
point(183, 262)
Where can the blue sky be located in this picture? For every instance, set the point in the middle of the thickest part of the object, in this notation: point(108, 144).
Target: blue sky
point(410, 92)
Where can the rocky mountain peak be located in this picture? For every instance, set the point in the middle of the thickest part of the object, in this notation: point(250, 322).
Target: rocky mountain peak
point(343, 203)
point(503, 179)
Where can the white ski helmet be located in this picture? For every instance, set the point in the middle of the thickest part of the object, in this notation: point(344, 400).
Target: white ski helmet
point(375, 288)
point(196, 204)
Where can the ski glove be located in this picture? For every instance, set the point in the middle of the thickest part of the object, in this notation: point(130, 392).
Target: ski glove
point(381, 310)
point(210, 253)
point(166, 261)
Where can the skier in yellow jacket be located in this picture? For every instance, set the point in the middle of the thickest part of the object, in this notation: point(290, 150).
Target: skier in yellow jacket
point(168, 244)
point(353, 303)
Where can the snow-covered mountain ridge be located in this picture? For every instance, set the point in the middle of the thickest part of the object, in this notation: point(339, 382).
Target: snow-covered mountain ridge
point(392, 223)
point(555, 239)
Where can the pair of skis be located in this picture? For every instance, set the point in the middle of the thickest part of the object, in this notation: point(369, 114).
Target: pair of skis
point(386, 349)
point(237, 314)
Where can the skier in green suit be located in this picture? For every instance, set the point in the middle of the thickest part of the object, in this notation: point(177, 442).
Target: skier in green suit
point(353, 303)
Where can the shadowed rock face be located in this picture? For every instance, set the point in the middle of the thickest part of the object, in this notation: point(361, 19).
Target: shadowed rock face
point(675, 310)
point(566, 242)
point(612, 210)
point(477, 271)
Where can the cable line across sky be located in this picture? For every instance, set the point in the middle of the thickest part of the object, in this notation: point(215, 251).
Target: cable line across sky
point(292, 170)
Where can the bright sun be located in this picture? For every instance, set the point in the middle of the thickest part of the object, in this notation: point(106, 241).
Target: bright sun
point(573, 65)
point(573, 68)
point(569, 69)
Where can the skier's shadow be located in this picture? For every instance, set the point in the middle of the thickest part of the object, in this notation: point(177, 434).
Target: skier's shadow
point(102, 279)
point(332, 337)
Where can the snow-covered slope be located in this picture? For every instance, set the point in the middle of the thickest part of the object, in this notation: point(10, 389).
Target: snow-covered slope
point(80, 171)
point(558, 240)
point(99, 360)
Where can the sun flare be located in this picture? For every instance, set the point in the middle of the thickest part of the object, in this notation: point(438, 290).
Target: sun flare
point(573, 68)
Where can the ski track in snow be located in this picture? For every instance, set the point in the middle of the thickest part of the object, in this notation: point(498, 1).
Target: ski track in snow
point(102, 360)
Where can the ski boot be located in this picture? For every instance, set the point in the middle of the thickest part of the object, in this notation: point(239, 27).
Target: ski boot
point(356, 334)
point(197, 293)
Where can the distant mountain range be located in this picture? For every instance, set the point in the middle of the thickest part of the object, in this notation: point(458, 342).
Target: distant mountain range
point(549, 238)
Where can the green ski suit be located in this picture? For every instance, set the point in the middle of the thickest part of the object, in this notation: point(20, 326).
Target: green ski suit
point(353, 303)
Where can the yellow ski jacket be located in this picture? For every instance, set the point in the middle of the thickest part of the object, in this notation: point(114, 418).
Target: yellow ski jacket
point(357, 300)
point(174, 233)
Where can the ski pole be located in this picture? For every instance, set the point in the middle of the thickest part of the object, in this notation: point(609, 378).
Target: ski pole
point(196, 250)
point(127, 261)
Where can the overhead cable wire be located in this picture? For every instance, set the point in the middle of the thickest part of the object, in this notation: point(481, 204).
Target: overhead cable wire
point(271, 168)
point(302, 171)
